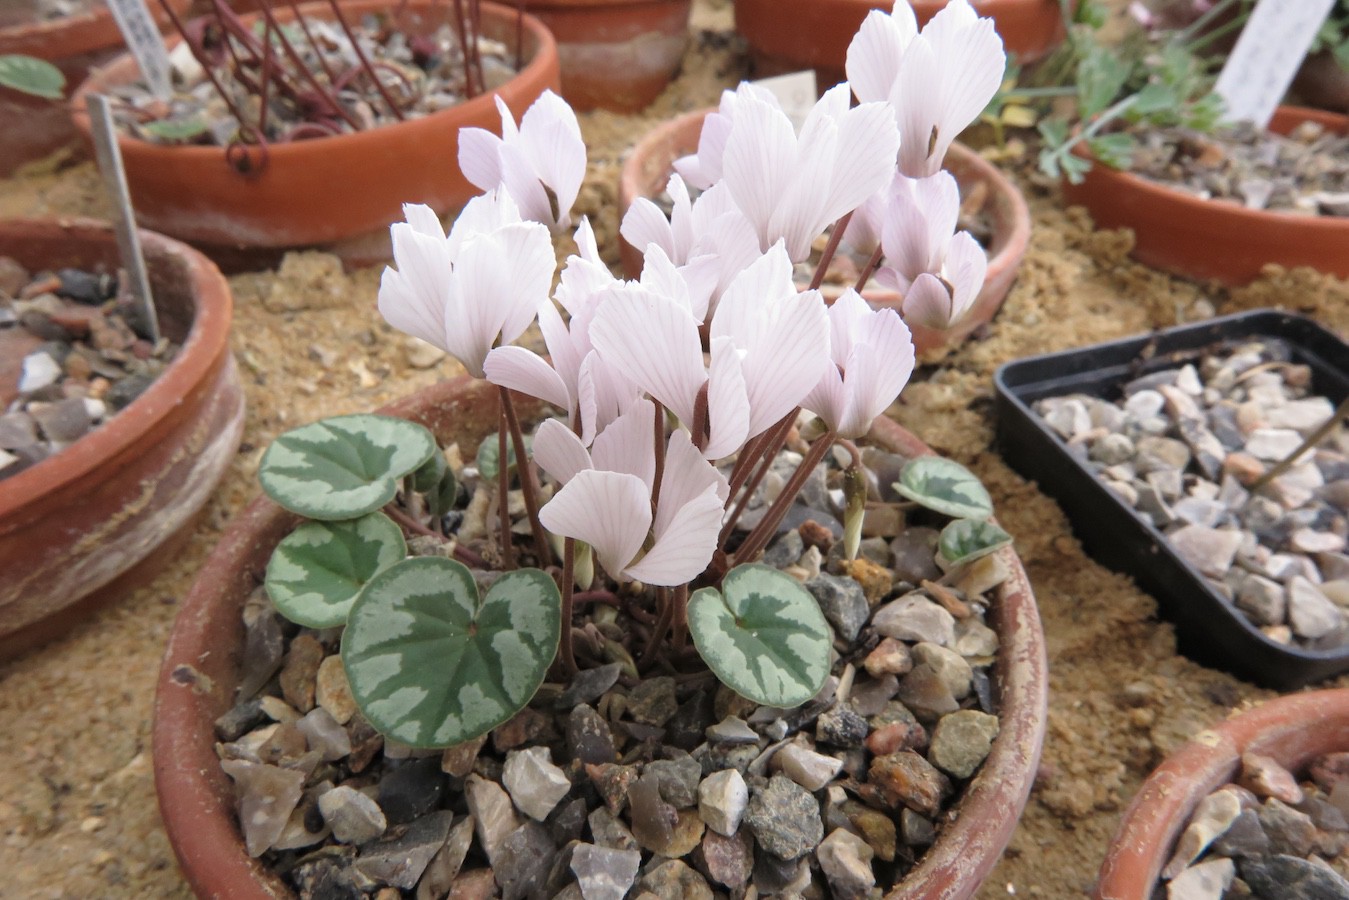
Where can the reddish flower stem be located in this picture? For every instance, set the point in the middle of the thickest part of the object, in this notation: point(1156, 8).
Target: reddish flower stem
point(529, 485)
point(565, 650)
point(758, 538)
point(829, 249)
point(659, 426)
point(870, 268)
point(365, 63)
point(503, 490)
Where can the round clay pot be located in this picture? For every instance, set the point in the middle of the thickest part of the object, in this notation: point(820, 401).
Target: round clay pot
point(1214, 239)
point(201, 669)
point(647, 170)
point(325, 189)
point(1323, 83)
point(1293, 730)
point(789, 35)
point(84, 525)
point(616, 54)
point(32, 127)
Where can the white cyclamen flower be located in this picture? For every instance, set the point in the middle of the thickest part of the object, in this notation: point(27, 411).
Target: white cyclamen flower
point(541, 164)
point(466, 291)
point(938, 273)
point(871, 360)
point(937, 80)
point(791, 187)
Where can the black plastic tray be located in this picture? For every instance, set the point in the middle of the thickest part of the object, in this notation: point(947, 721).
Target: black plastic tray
point(1209, 628)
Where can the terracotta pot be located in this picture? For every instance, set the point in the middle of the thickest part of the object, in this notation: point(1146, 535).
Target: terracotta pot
point(31, 127)
point(97, 512)
point(616, 54)
point(1323, 82)
point(1215, 239)
point(1293, 730)
point(201, 669)
point(647, 170)
point(788, 35)
point(326, 189)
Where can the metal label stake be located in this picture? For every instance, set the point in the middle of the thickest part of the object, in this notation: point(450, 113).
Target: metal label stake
point(128, 239)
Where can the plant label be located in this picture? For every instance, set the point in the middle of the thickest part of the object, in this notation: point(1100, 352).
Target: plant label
point(145, 42)
point(1267, 56)
point(795, 92)
point(109, 156)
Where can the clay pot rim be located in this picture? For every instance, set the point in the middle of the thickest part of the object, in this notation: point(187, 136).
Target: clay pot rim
point(207, 340)
point(123, 68)
point(94, 26)
point(1123, 183)
point(210, 850)
point(1011, 244)
point(601, 4)
point(1155, 816)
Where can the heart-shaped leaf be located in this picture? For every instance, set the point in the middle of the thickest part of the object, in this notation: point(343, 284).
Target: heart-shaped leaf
point(441, 499)
point(345, 466)
point(432, 664)
point(488, 459)
point(428, 475)
point(30, 75)
point(944, 486)
point(965, 540)
point(763, 635)
point(177, 130)
point(318, 569)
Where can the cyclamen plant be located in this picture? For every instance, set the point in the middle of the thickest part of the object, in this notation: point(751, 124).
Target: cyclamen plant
point(661, 442)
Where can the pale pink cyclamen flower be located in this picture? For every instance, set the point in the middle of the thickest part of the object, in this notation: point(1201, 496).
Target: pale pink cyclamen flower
point(791, 187)
point(541, 164)
point(937, 80)
point(872, 358)
point(605, 499)
point(702, 169)
point(938, 273)
point(463, 292)
point(769, 344)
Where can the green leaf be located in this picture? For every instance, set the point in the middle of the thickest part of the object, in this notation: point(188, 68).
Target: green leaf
point(488, 456)
point(965, 540)
point(177, 130)
point(763, 635)
point(1101, 76)
point(945, 486)
point(441, 499)
point(345, 466)
point(1115, 150)
point(1075, 168)
point(30, 75)
point(428, 476)
point(318, 569)
point(432, 664)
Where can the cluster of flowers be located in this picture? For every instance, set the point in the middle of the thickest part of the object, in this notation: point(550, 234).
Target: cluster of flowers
point(652, 505)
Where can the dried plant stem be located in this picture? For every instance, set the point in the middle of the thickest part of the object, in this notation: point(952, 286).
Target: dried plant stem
point(519, 35)
point(202, 61)
point(475, 31)
point(529, 486)
point(565, 651)
point(1341, 413)
point(829, 250)
point(365, 63)
point(758, 538)
point(290, 52)
point(503, 490)
point(461, 26)
point(313, 44)
point(870, 268)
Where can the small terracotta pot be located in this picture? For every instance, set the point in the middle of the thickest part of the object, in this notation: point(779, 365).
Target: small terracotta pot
point(1322, 82)
point(32, 127)
point(788, 35)
point(201, 670)
point(647, 170)
point(616, 54)
point(102, 510)
point(1215, 239)
point(326, 189)
point(1293, 730)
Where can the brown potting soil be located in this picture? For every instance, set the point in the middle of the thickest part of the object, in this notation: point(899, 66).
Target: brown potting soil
point(78, 814)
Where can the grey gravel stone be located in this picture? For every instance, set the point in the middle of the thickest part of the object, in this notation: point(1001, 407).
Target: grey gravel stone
point(785, 818)
point(843, 603)
point(353, 817)
point(400, 861)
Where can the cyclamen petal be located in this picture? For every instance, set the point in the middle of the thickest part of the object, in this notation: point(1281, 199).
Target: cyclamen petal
point(559, 452)
point(876, 50)
point(728, 410)
point(928, 303)
point(683, 551)
point(522, 370)
point(966, 266)
point(551, 139)
point(628, 443)
point(610, 511)
point(413, 297)
point(687, 476)
point(653, 341)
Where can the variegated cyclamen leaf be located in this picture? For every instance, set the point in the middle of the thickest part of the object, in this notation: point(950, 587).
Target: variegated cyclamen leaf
point(944, 486)
point(431, 663)
point(441, 499)
point(30, 75)
point(318, 569)
point(345, 466)
point(488, 455)
point(427, 477)
point(965, 540)
point(763, 635)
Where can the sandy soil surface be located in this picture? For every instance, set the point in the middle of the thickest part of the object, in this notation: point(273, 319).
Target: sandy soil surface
point(77, 803)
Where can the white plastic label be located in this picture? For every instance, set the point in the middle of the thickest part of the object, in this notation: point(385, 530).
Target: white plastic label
point(1272, 45)
point(795, 92)
point(143, 39)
